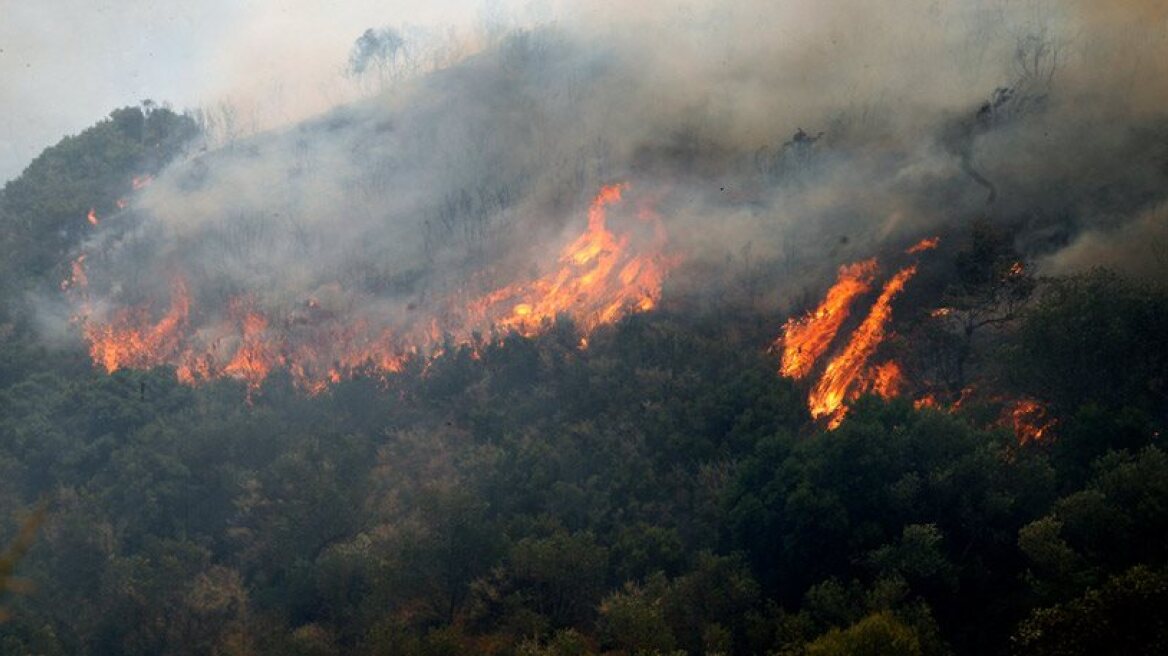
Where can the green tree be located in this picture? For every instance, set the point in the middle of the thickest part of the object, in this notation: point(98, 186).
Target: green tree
point(879, 634)
point(1122, 616)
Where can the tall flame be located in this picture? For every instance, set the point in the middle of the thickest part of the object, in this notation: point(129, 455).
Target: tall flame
point(805, 339)
point(838, 382)
point(258, 352)
point(598, 280)
point(848, 374)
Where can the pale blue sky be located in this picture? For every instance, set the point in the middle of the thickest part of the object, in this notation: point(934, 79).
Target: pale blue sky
point(64, 64)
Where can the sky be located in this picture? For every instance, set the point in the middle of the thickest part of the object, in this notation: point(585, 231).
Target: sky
point(65, 64)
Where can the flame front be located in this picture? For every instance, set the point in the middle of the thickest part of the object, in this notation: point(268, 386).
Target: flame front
point(805, 339)
point(132, 340)
point(599, 277)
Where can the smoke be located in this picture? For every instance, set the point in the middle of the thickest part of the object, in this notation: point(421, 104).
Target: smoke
point(1138, 248)
point(774, 140)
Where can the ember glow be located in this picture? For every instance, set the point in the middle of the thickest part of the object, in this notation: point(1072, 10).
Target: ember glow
point(805, 339)
point(1029, 419)
point(91, 216)
point(926, 401)
point(599, 277)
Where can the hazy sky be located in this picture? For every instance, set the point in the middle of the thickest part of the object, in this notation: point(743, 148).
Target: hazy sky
point(64, 64)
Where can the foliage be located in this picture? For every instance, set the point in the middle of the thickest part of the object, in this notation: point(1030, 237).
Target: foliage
point(662, 491)
point(879, 634)
point(42, 212)
point(1123, 616)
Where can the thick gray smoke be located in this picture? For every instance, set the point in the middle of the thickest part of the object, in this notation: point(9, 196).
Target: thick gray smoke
point(785, 140)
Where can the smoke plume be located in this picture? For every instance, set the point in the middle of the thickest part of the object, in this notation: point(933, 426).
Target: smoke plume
point(769, 143)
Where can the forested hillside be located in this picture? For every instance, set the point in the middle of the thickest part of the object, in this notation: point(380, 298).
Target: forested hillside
point(532, 358)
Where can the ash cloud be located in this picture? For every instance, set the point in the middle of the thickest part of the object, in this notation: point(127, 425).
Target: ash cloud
point(914, 115)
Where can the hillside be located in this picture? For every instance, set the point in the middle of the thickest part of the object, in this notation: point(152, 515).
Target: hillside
point(515, 361)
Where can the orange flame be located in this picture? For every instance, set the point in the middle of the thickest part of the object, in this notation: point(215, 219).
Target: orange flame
point(257, 353)
point(599, 280)
point(141, 181)
point(839, 380)
point(886, 379)
point(926, 401)
point(805, 339)
point(132, 340)
point(91, 216)
point(1029, 419)
point(924, 245)
point(600, 277)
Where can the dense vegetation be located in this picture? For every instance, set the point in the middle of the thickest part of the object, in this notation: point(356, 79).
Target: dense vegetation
point(662, 491)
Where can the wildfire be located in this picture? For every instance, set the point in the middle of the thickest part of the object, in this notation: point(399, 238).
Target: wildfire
point(1029, 419)
point(924, 245)
point(848, 374)
point(598, 278)
point(926, 401)
point(132, 340)
point(839, 381)
point(805, 339)
point(886, 379)
point(91, 216)
point(257, 352)
point(598, 281)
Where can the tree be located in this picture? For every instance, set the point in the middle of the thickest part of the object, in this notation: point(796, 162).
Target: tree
point(1095, 338)
point(1123, 616)
point(383, 51)
point(879, 634)
point(633, 619)
point(990, 288)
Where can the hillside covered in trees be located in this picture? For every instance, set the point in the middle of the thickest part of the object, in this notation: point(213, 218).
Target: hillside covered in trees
point(634, 478)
